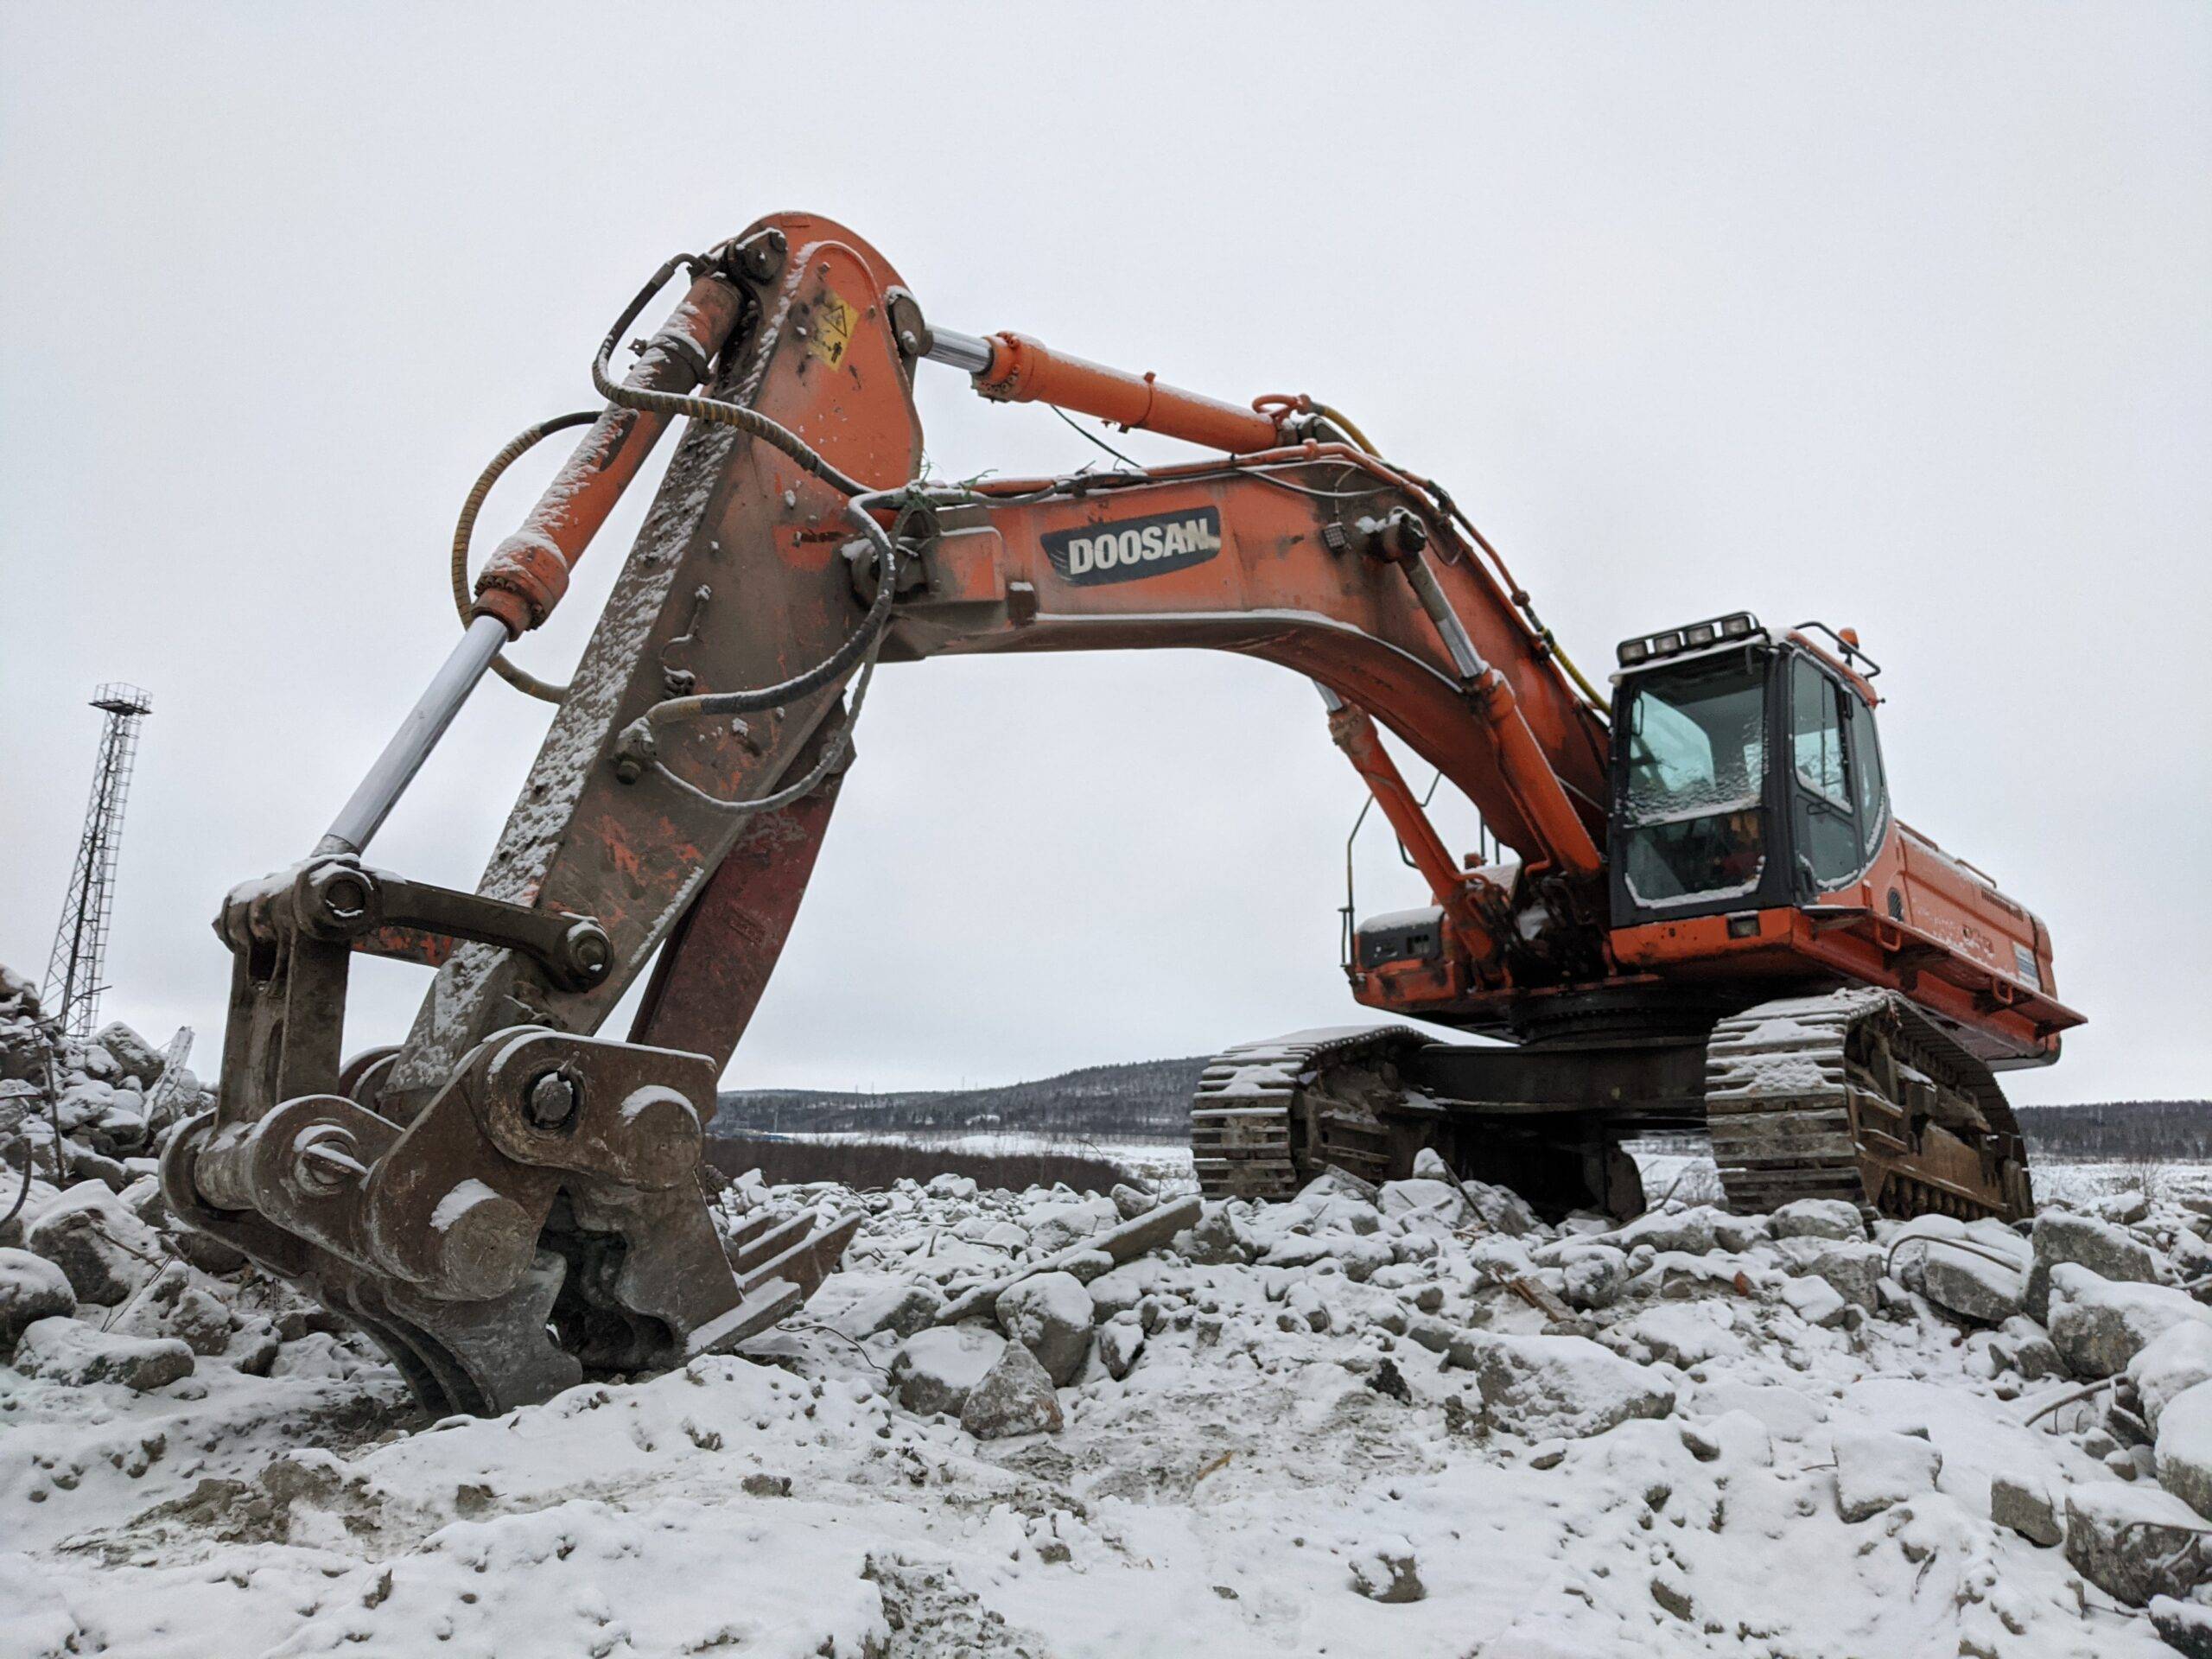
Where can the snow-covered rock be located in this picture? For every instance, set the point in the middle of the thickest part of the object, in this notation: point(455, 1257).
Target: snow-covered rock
point(902, 1309)
point(934, 1369)
point(134, 1057)
point(2023, 1502)
point(1054, 1227)
point(2098, 1326)
point(92, 1237)
point(1692, 1231)
point(2184, 1447)
point(1131, 1202)
point(1049, 1314)
point(1852, 1270)
point(69, 1350)
point(1592, 1275)
point(2184, 1626)
point(1565, 1386)
point(1014, 1396)
point(1876, 1469)
point(2109, 1251)
point(31, 1288)
point(2132, 1542)
point(174, 1306)
point(2171, 1363)
point(1971, 1286)
point(1836, 1218)
point(1388, 1571)
point(1216, 1238)
point(1121, 1339)
point(1815, 1301)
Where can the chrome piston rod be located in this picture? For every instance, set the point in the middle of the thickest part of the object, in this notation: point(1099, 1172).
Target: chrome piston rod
point(410, 746)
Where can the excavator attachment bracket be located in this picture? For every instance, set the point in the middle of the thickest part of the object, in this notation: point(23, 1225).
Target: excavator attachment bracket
point(540, 1219)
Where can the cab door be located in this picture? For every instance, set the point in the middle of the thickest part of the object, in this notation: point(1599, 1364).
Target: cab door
point(1828, 849)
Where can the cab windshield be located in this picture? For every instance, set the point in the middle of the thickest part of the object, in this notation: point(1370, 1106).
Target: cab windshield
point(1691, 818)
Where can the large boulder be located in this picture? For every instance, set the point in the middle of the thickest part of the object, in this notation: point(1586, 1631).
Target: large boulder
point(31, 1288)
point(91, 1235)
point(68, 1351)
point(2109, 1252)
point(1015, 1396)
point(2132, 1542)
point(1049, 1314)
point(2099, 1327)
point(935, 1369)
point(1876, 1470)
point(1567, 1387)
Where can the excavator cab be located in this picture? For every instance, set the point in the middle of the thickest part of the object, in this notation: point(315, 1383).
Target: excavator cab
point(1748, 776)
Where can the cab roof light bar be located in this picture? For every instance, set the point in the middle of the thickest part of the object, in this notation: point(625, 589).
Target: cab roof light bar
point(1720, 630)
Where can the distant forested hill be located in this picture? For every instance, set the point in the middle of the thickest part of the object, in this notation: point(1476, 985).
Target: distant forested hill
point(1145, 1099)
point(2120, 1128)
point(1150, 1100)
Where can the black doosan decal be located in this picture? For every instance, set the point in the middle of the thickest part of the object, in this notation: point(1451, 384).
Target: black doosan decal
point(1125, 549)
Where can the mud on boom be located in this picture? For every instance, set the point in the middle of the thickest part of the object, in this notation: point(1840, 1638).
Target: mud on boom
point(1706, 911)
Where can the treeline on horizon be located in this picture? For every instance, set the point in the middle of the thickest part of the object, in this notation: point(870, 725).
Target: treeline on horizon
point(1143, 1100)
point(1150, 1100)
point(2121, 1129)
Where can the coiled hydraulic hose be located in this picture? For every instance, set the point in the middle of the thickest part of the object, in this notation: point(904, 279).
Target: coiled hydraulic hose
point(521, 678)
point(710, 409)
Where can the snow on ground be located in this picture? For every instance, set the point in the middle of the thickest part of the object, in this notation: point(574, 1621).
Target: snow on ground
point(1411, 1421)
point(1345, 1400)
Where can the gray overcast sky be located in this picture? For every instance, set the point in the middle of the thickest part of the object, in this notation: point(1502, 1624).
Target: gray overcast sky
point(1894, 316)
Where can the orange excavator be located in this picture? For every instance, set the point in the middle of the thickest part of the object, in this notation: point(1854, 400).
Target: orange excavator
point(1694, 906)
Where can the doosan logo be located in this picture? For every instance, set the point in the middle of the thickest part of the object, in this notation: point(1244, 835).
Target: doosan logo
point(1130, 549)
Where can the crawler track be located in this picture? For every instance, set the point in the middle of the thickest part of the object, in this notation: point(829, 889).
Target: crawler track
point(1853, 1095)
point(1857, 1095)
point(1268, 1116)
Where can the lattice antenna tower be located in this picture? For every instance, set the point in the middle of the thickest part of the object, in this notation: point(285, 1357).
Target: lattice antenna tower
point(75, 972)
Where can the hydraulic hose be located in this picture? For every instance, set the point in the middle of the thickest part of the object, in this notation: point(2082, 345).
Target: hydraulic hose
point(861, 645)
point(520, 679)
point(710, 409)
point(830, 667)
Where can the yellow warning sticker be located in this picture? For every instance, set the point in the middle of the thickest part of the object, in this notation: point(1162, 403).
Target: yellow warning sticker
point(835, 322)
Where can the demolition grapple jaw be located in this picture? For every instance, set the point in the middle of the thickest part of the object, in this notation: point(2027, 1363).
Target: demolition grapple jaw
point(538, 1221)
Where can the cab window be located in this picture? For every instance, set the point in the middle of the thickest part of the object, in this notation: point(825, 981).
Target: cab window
point(1827, 830)
point(1866, 771)
point(1692, 826)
